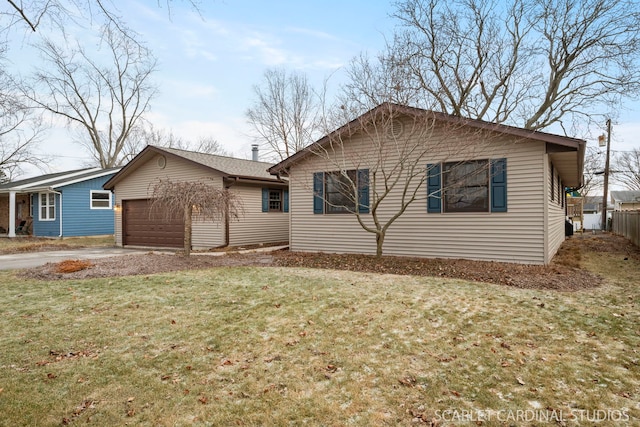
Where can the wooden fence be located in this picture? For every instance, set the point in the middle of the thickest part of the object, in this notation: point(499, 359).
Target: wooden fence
point(627, 224)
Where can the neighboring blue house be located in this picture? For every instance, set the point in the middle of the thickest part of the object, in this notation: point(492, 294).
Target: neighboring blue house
point(63, 204)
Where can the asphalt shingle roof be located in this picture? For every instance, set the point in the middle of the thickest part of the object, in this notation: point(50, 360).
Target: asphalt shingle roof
point(54, 180)
point(228, 165)
point(626, 196)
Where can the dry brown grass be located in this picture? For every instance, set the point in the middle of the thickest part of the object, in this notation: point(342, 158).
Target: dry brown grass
point(39, 244)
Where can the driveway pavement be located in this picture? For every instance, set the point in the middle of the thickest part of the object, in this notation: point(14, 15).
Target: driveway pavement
point(35, 259)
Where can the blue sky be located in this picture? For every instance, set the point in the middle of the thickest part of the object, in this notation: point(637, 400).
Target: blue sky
point(208, 63)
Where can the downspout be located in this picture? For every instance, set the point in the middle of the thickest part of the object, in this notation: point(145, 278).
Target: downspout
point(60, 194)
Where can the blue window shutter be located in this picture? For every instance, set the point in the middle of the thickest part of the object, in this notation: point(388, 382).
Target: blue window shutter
point(363, 190)
point(434, 188)
point(318, 193)
point(499, 185)
point(285, 202)
point(265, 200)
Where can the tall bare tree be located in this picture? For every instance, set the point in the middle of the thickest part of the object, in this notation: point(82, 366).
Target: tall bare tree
point(593, 167)
point(284, 113)
point(194, 201)
point(20, 129)
point(103, 93)
point(150, 135)
point(33, 12)
point(626, 169)
point(529, 63)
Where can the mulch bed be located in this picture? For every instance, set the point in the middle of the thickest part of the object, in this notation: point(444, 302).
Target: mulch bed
point(561, 275)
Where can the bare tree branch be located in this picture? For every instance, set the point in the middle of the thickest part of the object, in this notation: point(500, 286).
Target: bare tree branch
point(529, 63)
point(105, 93)
point(284, 113)
point(626, 169)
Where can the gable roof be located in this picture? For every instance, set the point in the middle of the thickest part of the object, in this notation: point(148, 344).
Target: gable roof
point(566, 143)
point(229, 167)
point(625, 196)
point(55, 180)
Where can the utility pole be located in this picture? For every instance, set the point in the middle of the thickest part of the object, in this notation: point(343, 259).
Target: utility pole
point(606, 178)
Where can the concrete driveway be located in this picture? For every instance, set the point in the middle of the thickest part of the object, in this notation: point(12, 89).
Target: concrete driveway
point(35, 259)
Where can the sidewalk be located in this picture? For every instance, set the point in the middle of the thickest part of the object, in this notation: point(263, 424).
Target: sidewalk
point(35, 259)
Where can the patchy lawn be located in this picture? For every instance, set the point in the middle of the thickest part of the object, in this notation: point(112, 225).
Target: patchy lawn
point(36, 244)
point(286, 346)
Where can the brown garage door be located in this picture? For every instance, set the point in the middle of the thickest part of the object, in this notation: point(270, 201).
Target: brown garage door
point(141, 229)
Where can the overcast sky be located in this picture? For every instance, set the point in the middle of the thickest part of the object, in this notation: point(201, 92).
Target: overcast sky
point(208, 63)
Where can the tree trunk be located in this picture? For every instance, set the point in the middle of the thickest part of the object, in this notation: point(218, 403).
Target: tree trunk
point(379, 243)
point(188, 211)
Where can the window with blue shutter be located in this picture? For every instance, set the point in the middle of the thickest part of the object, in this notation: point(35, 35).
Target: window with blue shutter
point(434, 188)
point(467, 187)
point(363, 190)
point(286, 200)
point(333, 192)
point(499, 185)
point(273, 200)
point(265, 200)
point(318, 193)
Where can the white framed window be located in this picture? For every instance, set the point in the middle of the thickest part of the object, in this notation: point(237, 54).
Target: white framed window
point(47, 211)
point(100, 199)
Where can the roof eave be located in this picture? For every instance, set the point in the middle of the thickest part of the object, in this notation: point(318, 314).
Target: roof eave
point(564, 141)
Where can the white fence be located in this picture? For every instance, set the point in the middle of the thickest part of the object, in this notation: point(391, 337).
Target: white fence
point(591, 222)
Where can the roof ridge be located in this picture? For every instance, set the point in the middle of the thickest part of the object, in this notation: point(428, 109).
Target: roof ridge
point(210, 154)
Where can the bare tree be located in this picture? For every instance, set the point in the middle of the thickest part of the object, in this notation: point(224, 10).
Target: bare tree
point(283, 115)
point(593, 167)
point(626, 169)
point(19, 136)
point(150, 135)
point(194, 201)
point(378, 177)
point(20, 129)
point(529, 63)
point(103, 93)
point(33, 12)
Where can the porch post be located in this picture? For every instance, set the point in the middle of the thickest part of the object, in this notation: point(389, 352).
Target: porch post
point(12, 214)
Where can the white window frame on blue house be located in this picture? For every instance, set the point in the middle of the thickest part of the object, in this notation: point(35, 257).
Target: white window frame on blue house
point(48, 207)
point(101, 192)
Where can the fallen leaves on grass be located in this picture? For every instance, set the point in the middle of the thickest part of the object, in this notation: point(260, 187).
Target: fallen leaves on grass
point(561, 274)
point(72, 265)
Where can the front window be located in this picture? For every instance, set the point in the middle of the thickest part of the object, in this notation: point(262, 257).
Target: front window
point(466, 186)
point(47, 206)
point(100, 199)
point(275, 200)
point(339, 191)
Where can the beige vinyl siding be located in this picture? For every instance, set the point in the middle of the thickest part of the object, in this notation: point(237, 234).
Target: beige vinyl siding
point(513, 236)
point(555, 213)
point(255, 226)
point(138, 185)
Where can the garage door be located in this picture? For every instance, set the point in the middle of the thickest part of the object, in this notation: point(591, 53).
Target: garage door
point(141, 229)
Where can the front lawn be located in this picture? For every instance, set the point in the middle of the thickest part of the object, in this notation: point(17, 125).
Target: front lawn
point(36, 244)
point(289, 346)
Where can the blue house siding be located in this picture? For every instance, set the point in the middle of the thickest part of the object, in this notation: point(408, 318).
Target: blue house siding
point(78, 219)
point(45, 228)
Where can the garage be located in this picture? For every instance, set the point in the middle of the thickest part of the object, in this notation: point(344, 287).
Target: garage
point(142, 229)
